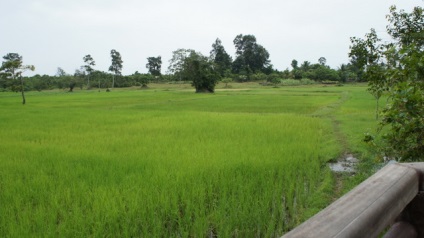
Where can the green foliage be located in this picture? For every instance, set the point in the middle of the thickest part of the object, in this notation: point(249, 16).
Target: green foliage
point(89, 63)
point(397, 69)
point(322, 61)
point(295, 82)
point(221, 58)
point(13, 68)
point(227, 81)
point(258, 77)
point(154, 65)
point(365, 52)
point(320, 72)
point(176, 63)
point(10, 67)
point(250, 56)
point(142, 79)
point(294, 64)
point(116, 66)
point(201, 72)
point(348, 73)
point(305, 66)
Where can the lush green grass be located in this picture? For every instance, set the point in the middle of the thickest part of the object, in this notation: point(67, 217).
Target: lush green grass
point(166, 162)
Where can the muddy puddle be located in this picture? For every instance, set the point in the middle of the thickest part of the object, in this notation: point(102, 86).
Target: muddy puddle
point(347, 164)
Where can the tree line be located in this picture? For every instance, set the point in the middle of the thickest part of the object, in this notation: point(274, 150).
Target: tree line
point(251, 63)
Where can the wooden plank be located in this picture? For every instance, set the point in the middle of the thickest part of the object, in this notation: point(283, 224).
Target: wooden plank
point(401, 229)
point(367, 209)
point(419, 167)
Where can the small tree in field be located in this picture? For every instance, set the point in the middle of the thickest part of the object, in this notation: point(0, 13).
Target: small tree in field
point(116, 66)
point(13, 68)
point(201, 71)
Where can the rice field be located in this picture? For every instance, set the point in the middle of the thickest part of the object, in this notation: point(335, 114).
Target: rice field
point(166, 162)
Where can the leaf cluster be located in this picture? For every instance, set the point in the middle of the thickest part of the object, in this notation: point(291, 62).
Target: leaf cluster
point(397, 69)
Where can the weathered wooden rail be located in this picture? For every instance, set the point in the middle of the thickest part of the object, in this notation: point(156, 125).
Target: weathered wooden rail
point(391, 197)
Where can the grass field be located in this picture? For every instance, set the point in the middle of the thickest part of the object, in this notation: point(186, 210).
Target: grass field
point(249, 161)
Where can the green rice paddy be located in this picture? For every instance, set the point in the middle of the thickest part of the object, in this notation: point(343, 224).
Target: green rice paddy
point(249, 161)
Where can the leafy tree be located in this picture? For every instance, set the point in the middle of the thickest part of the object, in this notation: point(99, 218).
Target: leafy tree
point(154, 65)
point(397, 69)
point(364, 53)
point(116, 65)
point(89, 63)
point(200, 70)
point(322, 61)
point(250, 56)
point(305, 66)
point(366, 56)
point(13, 68)
point(220, 57)
point(176, 63)
point(294, 64)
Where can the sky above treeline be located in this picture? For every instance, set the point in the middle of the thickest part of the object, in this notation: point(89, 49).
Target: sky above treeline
point(59, 33)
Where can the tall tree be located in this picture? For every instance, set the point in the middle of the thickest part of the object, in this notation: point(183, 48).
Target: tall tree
point(220, 57)
point(250, 56)
point(401, 77)
point(366, 56)
point(154, 65)
point(13, 68)
point(176, 63)
point(116, 65)
point(89, 63)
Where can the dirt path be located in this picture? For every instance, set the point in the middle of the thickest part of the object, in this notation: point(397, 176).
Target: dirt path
point(328, 112)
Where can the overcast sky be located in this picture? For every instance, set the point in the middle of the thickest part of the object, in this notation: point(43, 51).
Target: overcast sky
point(59, 33)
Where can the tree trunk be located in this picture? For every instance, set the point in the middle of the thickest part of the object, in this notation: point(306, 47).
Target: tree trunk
point(23, 97)
point(88, 82)
point(113, 81)
point(22, 91)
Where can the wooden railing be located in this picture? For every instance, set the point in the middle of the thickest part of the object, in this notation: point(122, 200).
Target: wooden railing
point(391, 197)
